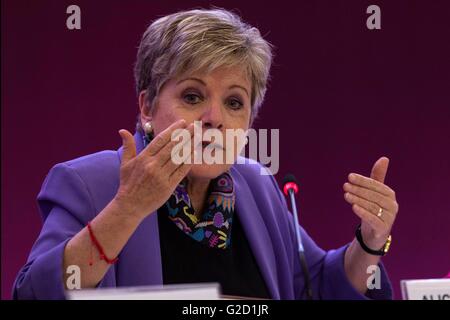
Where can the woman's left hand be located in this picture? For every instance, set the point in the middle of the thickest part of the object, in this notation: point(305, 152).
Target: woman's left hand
point(374, 202)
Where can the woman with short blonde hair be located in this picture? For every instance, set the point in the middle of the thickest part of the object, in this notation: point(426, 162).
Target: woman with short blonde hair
point(134, 217)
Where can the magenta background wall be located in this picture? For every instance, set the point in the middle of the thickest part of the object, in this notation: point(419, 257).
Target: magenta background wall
point(341, 96)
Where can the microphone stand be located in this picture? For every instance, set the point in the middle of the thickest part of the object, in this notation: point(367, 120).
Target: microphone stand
point(301, 250)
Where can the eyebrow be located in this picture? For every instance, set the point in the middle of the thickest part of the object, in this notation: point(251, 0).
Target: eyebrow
point(203, 83)
point(241, 87)
point(195, 79)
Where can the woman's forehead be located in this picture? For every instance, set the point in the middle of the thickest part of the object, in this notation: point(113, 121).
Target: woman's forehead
point(227, 75)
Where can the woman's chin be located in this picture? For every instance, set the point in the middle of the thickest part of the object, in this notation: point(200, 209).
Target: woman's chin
point(207, 171)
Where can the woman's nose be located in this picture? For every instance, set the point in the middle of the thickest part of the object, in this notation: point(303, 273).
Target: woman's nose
point(212, 117)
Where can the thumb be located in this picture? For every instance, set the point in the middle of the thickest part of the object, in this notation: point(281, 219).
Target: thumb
point(379, 169)
point(129, 146)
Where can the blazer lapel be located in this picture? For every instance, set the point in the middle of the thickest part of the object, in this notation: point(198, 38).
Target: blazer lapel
point(257, 233)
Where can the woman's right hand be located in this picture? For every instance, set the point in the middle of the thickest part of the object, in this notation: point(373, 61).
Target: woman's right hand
point(148, 179)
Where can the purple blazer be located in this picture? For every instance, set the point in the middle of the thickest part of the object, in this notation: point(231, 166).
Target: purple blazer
point(74, 192)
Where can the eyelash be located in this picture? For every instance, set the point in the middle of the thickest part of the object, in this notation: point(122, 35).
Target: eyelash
point(234, 100)
point(187, 96)
point(192, 95)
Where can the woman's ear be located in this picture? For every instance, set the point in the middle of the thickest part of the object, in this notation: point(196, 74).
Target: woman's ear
point(144, 107)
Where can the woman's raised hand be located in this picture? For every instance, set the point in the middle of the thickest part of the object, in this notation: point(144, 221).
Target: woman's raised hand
point(374, 202)
point(148, 179)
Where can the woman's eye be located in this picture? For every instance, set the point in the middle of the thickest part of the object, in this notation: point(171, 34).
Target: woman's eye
point(235, 104)
point(192, 98)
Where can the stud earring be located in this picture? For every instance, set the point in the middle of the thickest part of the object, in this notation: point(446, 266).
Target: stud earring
point(148, 129)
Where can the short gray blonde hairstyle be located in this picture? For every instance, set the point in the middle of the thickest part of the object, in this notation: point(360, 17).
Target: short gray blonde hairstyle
point(201, 40)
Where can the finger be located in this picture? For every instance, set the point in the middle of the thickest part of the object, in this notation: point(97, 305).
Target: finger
point(371, 184)
point(173, 148)
point(369, 206)
point(129, 146)
point(178, 175)
point(379, 169)
point(372, 196)
point(163, 138)
point(369, 218)
point(187, 158)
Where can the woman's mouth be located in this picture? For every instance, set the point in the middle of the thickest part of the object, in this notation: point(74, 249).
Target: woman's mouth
point(214, 146)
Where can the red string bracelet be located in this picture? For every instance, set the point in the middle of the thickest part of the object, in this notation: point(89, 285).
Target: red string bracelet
point(99, 247)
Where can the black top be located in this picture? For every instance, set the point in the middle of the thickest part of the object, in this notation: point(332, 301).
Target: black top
point(185, 260)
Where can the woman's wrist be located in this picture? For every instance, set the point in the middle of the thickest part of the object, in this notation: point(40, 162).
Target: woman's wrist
point(374, 242)
point(356, 262)
point(126, 211)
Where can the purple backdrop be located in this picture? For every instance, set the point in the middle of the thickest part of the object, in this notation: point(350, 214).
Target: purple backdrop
point(341, 95)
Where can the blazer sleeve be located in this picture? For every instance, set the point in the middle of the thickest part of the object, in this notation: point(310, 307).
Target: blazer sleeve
point(66, 206)
point(328, 278)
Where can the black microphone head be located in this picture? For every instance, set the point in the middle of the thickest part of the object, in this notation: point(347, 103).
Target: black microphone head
point(289, 178)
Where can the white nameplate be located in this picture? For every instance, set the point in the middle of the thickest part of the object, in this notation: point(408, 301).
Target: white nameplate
point(432, 289)
point(199, 291)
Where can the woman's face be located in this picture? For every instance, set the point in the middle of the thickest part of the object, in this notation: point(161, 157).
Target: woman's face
point(219, 99)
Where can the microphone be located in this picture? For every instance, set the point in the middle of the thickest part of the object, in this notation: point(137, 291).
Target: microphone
point(290, 188)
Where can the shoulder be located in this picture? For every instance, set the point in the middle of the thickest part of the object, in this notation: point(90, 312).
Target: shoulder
point(94, 160)
point(91, 180)
point(99, 167)
point(101, 163)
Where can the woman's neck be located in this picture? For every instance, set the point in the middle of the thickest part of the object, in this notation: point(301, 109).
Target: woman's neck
point(197, 190)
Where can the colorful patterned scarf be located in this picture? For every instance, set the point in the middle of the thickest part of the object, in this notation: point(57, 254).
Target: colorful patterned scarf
point(214, 227)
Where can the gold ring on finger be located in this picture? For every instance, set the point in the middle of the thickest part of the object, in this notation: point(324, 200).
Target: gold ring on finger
point(380, 212)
